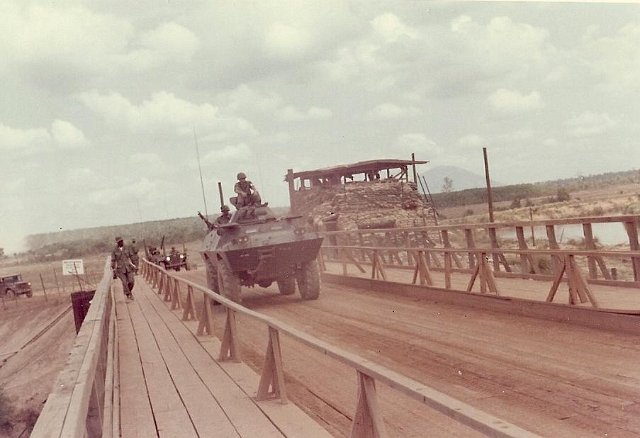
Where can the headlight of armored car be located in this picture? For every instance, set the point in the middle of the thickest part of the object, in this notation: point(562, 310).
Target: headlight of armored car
point(181, 256)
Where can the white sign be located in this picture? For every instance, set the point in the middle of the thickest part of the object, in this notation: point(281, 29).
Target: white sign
point(72, 267)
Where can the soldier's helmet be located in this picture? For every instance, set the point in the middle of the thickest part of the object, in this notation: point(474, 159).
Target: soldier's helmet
point(118, 239)
point(241, 175)
point(224, 208)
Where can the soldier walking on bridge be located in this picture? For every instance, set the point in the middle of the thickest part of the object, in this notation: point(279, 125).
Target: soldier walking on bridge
point(122, 267)
point(133, 254)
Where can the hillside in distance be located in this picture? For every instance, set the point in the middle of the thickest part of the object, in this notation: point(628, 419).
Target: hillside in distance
point(462, 179)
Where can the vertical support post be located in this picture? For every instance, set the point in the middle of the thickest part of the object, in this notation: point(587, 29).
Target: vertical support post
point(471, 245)
point(447, 270)
point(176, 300)
point(489, 193)
point(367, 420)
point(590, 244)
point(189, 312)
point(292, 189)
point(632, 231)
point(272, 371)
point(229, 348)
point(205, 325)
point(44, 290)
point(553, 244)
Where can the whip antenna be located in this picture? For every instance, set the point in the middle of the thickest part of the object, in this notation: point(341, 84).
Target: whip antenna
point(204, 198)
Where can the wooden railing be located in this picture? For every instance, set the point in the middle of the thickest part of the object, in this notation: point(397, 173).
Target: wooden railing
point(82, 400)
point(368, 418)
point(464, 242)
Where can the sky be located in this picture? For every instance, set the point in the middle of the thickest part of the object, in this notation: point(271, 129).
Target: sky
point(102, 101)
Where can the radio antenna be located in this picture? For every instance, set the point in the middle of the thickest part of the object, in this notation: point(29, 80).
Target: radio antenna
point(204, 198)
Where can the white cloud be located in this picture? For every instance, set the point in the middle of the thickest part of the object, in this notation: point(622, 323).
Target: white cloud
point(244, 100)
point(418, 143)
point(472, 141)
point(286, 40)
point(26, 140)
point(615, 58)
point(127, 191)
point(230, 153)
point(588, 124)
point(292, 114)
point(512, 101)
point(391, 28)
point(66, 135)
point(165, 112)
point(167, 43)
point(388, 110)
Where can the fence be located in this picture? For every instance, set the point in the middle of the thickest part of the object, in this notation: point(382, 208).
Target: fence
point(368, 421)
point(85, 397)
point(460, 248)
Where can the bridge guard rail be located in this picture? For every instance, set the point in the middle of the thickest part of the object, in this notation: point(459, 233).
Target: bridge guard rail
point(81, 403)
point(368, 420)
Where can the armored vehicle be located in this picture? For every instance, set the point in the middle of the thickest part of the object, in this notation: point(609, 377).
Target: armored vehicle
point(256, 247)
point(12, 285)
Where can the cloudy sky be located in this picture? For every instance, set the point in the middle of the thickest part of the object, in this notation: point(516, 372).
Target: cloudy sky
point(101, 99)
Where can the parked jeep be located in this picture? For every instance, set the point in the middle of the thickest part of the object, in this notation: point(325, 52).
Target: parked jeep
point(13, 285)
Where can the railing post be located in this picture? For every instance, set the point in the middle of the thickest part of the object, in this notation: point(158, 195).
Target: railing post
point(229, 348)
point(189, 312)
point(272, 371)
point(205, 326)
point(367, 420)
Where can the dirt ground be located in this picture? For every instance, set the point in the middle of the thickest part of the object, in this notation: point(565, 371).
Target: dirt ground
point(36, 341)
point(551, 378)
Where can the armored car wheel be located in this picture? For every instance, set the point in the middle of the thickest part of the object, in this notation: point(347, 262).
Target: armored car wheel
point(309, 280)
point(228, 283)
point(212, 276)
point(29, 294)
point(287, 285)
point(9, 293)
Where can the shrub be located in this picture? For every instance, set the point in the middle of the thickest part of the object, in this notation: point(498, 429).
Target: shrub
point(543, 264)
point(468, 212)
point(562, 195)
point(515, 203)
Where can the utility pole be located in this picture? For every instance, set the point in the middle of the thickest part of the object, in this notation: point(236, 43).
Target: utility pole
point(486, 174)
point(415, 177)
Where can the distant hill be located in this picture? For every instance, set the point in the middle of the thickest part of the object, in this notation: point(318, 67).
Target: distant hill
point(84, 241)
point(460, 197)
point(462, 179)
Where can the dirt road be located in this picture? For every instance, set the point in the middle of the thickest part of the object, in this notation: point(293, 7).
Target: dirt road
point(550, 378)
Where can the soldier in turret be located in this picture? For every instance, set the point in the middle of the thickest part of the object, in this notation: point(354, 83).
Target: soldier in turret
point(224, 217)
point(246, 191)
point(122, 267)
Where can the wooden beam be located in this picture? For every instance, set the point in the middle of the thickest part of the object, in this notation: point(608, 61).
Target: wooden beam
point(367, 420)
point(272, 371)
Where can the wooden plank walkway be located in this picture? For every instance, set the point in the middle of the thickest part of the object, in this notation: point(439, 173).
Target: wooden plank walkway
point(171, 385)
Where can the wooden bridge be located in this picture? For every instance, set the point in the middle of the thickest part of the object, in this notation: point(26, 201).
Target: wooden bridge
point(154, 367)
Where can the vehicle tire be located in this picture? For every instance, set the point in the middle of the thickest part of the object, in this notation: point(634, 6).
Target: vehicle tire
point(309, 280)
point(265, 283)
point(9, 293)
point(228, 283)
point(29, 294)
point(212, 276)
point(177, 268)
point(187, 267)
point(287, 285)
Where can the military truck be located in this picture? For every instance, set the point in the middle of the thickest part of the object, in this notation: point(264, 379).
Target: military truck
point(257, 248)
point(13, 285)
point(174, 260)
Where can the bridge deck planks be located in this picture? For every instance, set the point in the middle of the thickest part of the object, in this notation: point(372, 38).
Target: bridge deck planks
point(170, 379)
point(136, 416)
